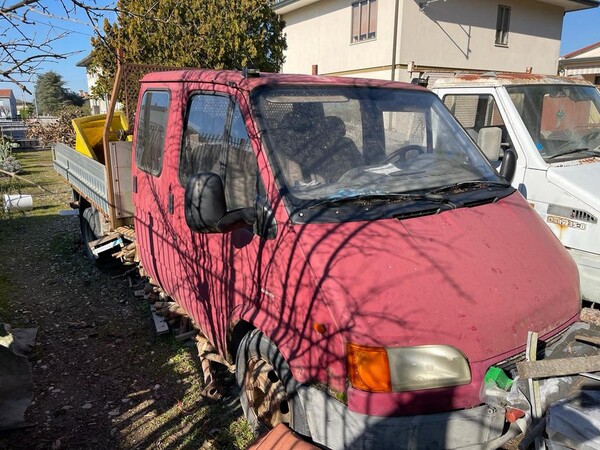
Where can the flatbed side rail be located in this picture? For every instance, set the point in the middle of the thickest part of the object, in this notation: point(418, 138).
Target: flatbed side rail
point(87, 176)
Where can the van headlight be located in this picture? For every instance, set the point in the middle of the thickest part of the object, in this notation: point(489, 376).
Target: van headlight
point(398, 369)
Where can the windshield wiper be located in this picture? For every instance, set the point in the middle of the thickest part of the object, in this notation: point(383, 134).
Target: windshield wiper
point(466, 185)
point(595, 151)
point(382, 197)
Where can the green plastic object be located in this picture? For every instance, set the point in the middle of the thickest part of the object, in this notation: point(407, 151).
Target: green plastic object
point(496, 375)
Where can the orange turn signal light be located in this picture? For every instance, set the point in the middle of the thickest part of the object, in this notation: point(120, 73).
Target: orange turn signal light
point(319, 328)
point(368, 368)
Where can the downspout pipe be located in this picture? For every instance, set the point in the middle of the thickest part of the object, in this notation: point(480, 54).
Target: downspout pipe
point(395, 40)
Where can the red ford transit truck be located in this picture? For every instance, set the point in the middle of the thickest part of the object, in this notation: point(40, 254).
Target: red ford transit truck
point(343, 242)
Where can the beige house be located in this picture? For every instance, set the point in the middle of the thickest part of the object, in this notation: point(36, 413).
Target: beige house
point(401, 39)
point(584, 62)
point(8, 105)
point(97, 105)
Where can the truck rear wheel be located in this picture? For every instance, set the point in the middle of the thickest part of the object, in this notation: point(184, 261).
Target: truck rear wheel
point(104, 261)
point(268, 391)
point(87, 236)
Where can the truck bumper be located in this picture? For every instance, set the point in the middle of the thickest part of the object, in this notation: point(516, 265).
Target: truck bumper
point(589, 274)
point(332, 424)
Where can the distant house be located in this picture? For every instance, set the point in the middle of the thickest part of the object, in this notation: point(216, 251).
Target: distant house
point(402, 39)
point(97, 105)
point(584, 62)
point(8, 105)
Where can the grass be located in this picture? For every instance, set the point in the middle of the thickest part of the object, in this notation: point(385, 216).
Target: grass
point(36, 164)
point(186, 419)
point(49, 192)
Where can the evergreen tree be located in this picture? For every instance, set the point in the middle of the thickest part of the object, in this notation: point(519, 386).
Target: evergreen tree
point(51, 94)
point(216, 34)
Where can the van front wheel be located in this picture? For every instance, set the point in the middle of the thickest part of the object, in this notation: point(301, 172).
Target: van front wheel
point(268, 392)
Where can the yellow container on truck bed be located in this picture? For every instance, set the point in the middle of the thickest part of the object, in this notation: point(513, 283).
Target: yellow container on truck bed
point(89, 131)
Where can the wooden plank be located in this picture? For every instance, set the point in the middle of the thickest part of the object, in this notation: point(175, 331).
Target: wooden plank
point(558, 367)
point(159, 322)
point(588, 339)
point(534, 388)
point(184, 336)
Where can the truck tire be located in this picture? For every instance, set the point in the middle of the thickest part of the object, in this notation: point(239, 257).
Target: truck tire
point(104, 261)
point(268, 391)
point(87, 236)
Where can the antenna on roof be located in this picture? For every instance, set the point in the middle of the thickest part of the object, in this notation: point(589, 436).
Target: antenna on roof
point(250, 73)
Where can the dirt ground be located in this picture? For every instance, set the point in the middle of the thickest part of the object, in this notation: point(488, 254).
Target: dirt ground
point(102, 377)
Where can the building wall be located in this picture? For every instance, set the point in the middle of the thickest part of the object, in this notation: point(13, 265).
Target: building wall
point(453, 35)
point(8, 107)
point(461, 34)
point(320, 33)
point(586, 64)
point(97, 105)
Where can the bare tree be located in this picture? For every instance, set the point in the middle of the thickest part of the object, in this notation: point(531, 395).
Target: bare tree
point(23, 49)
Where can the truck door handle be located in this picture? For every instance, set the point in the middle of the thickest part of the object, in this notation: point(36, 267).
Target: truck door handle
point(171, 201)
point(134, 187)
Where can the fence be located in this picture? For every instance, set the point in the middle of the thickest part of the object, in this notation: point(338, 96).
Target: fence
point(17, 131)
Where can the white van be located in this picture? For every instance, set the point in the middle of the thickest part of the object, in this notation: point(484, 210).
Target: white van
point(553, 124)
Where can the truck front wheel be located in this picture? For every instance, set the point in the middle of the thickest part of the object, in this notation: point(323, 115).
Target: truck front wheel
point(268, 392)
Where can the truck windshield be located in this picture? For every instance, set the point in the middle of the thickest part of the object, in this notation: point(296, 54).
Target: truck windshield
point(335, 142)
point(563, 120)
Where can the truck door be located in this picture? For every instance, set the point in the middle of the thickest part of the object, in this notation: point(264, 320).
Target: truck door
point(215, 270)
point(484, 118)
point(150, 199)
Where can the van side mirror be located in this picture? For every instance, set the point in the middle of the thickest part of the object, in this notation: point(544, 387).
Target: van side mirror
point(509, 165)
point(206, 208)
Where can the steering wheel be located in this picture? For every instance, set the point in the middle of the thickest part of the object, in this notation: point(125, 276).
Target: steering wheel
point(399, 155)
point(591, 135)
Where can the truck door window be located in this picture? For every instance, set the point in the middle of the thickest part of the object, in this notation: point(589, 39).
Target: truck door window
point(241, 168)
point(203, 136)
point(152, 124)
point(215, 140)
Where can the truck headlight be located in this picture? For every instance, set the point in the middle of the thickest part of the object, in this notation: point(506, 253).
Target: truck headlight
point(397, 369)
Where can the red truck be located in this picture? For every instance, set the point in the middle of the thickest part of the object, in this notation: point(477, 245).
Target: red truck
point(342, 241)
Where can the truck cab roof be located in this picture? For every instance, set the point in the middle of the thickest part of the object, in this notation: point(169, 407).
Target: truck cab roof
point(249, 83)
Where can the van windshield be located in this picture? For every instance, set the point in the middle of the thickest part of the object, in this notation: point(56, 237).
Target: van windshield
point(563, 120)
point(333, 142)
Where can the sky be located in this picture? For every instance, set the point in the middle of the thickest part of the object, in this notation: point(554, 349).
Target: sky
point(580, 28)
point(76, 44)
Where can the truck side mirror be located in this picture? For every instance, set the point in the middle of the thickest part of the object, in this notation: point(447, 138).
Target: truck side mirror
point(509, 165)
point(204, 202)
point(206, 207)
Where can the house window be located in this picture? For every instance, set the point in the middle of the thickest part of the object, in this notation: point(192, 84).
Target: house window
point(364, 20)
point(502, 25)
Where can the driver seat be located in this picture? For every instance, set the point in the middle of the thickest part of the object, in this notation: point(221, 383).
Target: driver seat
point(336, 154)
